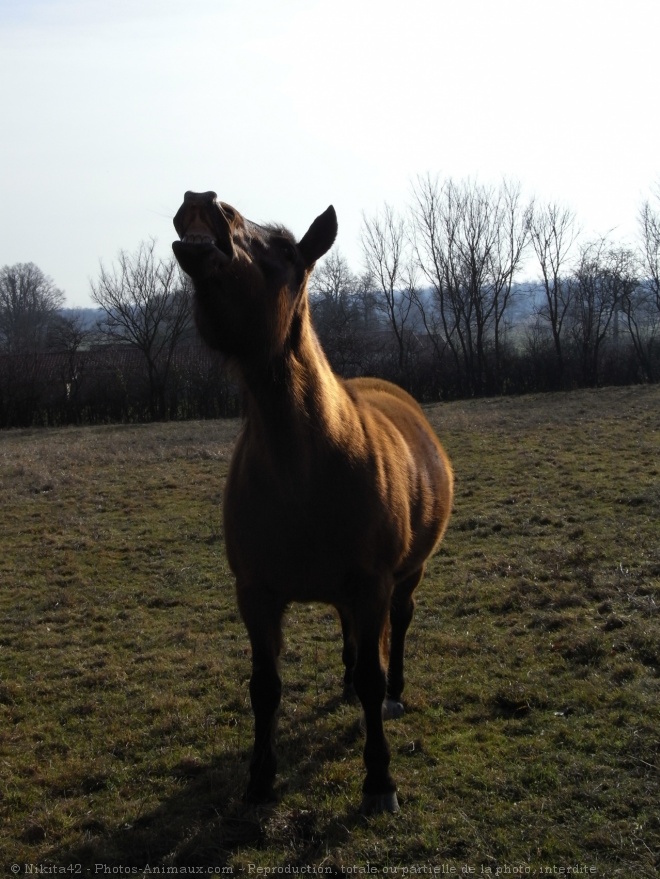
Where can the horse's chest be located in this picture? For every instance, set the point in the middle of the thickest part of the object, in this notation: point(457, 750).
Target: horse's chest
point(279, 517)
point(307, 533)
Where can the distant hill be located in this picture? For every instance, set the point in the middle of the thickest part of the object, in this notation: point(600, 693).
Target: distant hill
point(88, 317)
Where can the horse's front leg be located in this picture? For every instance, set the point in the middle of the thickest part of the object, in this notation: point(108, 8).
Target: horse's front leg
point(349, 653)
point(264, 624)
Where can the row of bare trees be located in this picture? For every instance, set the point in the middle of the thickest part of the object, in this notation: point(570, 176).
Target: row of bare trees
point(451, 266)
point(137, 360)
point(470, 290)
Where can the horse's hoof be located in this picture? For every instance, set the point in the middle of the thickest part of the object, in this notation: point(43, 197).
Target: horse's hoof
point(376, 804)
point(392, 709)
point(260, 796)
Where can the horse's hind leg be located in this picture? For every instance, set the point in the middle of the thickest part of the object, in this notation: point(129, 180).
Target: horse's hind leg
point(264, 625)
point(402, 607)
point(379, 789)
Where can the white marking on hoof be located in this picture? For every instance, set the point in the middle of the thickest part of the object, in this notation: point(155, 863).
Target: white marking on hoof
point(391, 710)
point(376, 804)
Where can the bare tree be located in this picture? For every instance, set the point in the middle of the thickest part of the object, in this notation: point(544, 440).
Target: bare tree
point(29, 301)
point(649, 222)
point(553, 233)
point(332, 296)
point(642, 305)
point(470, 241)
point(68, 336)
point(436, 212)
point(605, 276)
point(67, 332)
point(146, 304)
point(512, 235)
point(643, 323)
point(390, 267)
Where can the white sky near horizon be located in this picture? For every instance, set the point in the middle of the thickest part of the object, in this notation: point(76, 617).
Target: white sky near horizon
point(111, 109)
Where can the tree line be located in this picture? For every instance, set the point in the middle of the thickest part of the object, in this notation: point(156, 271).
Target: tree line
point(470, 290)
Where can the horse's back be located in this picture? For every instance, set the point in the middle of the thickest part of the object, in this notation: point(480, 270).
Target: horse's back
point(380, 391)
point(402, 410)
point(431, 480)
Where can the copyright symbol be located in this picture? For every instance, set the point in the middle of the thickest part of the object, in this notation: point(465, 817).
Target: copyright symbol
point(15, 868)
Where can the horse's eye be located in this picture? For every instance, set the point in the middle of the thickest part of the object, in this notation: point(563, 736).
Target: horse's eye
point(286, 248)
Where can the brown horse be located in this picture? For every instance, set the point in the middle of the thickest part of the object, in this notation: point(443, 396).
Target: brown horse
point(338, 491)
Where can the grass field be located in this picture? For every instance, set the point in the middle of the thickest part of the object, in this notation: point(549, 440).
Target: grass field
point(531, 737)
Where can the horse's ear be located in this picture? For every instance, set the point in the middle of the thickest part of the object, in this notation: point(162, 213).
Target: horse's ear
point(319, 238)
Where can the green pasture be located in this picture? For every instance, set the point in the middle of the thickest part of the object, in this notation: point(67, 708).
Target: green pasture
point(531, 740)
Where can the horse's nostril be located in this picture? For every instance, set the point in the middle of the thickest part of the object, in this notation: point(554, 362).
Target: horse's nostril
point(200, 197)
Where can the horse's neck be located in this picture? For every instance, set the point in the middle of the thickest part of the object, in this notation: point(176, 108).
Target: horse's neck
point(297, 406)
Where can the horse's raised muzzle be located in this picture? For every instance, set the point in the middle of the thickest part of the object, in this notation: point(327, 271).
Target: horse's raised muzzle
point(204, 230)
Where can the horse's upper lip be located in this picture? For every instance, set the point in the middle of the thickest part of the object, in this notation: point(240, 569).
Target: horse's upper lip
point(199, 250)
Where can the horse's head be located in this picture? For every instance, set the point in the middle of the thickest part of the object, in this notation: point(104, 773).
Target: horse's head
point(249, 280)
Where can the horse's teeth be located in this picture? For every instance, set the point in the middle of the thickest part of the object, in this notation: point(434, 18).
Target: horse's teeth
point(197, 239)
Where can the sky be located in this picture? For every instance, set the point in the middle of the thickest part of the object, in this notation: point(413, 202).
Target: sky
point(112, 109)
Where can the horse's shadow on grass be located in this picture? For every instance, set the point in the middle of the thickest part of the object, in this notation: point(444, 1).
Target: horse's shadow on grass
point(206, 821)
